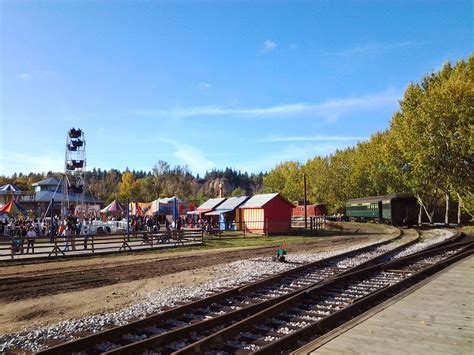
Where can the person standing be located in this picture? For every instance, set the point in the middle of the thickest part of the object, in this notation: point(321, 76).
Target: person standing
point(31, 237)
point(22, 231)
point(67, 237)
point(85, 232)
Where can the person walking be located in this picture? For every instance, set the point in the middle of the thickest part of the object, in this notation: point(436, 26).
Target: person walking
point(31, 237)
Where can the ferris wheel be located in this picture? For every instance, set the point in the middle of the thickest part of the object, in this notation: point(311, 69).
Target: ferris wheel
point(74, 183)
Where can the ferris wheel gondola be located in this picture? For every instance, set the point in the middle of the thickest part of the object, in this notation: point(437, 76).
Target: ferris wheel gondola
point(75, 164)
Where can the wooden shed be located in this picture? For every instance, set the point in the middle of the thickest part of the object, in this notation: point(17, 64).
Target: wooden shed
point(208, 206)
point(229, 213)
point(267, 214)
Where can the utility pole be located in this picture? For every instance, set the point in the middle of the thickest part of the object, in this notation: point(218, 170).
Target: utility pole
point(305, 209)
point(128, 219)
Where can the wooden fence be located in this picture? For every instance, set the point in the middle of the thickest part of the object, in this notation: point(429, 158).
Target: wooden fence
point(93, 244)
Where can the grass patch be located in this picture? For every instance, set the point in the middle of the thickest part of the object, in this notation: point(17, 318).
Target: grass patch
point(262, 241)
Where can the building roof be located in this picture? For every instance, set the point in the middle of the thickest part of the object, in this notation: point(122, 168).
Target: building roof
point(228, 205)
point(258, 201)
point(216, 212)
point(381, 197)
point(211, 204)
point(232, 203)
point(47, 182)
point(46, 196)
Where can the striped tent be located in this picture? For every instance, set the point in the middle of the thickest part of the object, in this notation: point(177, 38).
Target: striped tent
point(13, 209)
point(9, 189)
point(113, 207)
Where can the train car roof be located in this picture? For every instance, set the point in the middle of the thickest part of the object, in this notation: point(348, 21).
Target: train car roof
point(381, 198)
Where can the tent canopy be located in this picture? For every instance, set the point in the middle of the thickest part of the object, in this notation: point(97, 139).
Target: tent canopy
point(9, 189)
point(168, 206)
point(114, 207)
point(13, 208)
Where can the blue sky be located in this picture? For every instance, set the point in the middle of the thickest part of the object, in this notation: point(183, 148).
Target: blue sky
point(211, 84)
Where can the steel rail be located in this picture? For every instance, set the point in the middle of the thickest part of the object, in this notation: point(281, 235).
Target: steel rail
point(360, 306)
point(88, 342)
point(217, 339)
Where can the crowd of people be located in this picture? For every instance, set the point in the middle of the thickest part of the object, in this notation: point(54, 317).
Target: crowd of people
point(25, 231)
point(155, 223)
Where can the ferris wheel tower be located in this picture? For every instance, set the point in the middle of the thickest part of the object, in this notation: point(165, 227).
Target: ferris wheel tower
point(74, 183)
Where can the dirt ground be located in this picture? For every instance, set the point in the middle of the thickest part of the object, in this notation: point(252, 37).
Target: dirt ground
point(44, 293)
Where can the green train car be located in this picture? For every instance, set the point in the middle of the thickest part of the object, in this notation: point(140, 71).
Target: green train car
point(398, 209)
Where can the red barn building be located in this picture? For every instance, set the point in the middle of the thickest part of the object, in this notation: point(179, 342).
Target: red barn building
point(267, 214)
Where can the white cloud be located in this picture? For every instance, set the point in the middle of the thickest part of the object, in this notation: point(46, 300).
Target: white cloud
point(24, 76)
point(372, 48)
point(11, 162)
point(312, 139)
point(193, 158)
point(293, 152)
point(268, 46)
point(330, 109)
point(190, 156)
point(204, 86)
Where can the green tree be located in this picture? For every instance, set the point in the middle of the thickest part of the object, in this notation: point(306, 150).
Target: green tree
point(433, 131)
point(286, 178)
point(316, 171)
point(130, 188)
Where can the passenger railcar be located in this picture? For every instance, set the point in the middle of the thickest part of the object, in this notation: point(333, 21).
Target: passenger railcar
point(397, 209)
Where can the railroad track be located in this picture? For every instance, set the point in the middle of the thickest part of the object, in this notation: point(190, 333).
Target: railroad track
point(181, 327)
point(229, 305)
point(287, 325)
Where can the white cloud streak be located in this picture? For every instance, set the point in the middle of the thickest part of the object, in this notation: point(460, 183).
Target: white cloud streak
point(331, 109)
point(11, 162)
point(190, 156)
point(372, 48)
point(193, 158)
point(269, 46)
point(24, 76)
point(312, 139)
point(294, 152)
point(204, 86)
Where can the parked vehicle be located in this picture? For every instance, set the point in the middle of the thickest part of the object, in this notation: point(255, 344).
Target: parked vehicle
point(100, 228)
